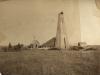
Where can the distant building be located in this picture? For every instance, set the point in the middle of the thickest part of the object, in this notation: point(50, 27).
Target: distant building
point(50, 43)
point(34, 44)
point(82, 44)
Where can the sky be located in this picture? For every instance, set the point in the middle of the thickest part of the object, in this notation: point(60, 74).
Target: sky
point(22, 20)
point(25, 20)
point(90, 21)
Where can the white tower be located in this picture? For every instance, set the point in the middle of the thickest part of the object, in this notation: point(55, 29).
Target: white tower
point(61, 36)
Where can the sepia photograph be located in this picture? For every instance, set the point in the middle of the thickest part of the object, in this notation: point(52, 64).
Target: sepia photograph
point(49, 37)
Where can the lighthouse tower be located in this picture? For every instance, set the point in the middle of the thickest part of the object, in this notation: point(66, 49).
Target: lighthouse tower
point(61, 35)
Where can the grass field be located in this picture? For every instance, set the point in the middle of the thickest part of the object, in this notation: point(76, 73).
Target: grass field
point(50, 62)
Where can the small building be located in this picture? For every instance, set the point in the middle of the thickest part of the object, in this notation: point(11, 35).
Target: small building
point(34, 44)
point(82, 44)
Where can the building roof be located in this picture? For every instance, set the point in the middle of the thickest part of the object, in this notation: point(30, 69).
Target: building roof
point(49, 43)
